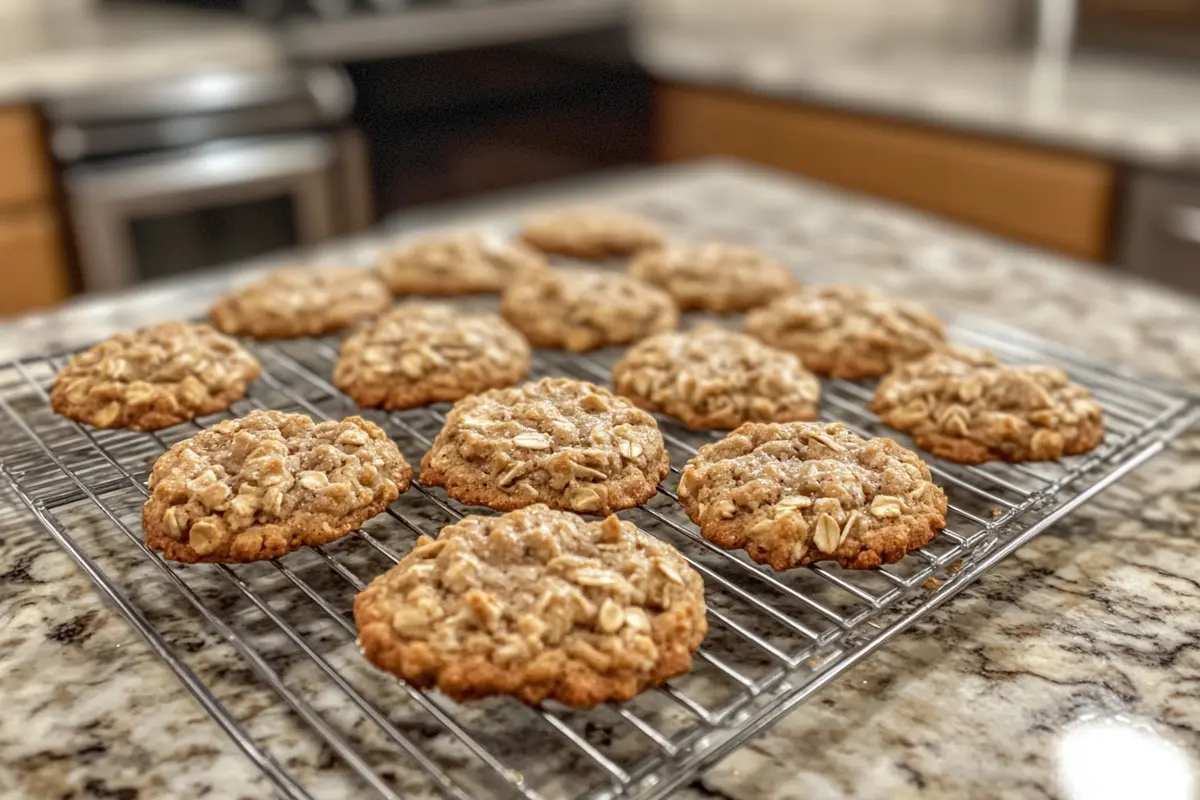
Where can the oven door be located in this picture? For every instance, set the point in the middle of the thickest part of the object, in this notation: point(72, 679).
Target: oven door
point(141, 218)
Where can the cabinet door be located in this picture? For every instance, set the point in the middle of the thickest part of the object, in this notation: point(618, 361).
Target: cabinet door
point(24, 171)
point(31, 262)
point(1049, 198)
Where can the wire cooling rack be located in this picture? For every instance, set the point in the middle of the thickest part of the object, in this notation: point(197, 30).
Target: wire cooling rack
point(268, 649)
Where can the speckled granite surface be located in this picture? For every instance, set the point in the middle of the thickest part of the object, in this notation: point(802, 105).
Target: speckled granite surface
point(1120, 107)
point(54, 48)
point(1063, 662)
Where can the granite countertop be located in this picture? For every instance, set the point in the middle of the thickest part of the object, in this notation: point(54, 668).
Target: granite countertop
point(1119, 107)
point(67, 47)
point(1064, 671)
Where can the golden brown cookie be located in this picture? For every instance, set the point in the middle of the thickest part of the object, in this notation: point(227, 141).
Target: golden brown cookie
point(591, 233)
point(847, 331)
point(452, 264)
point(537, 604)
point(714, 276)
point(964, 406)
point(154, 377)
point(797, 493)
point(562, 442)
point(711, 377)
point(301, 301)
point(580, 310)
point(426, 353)
point(269, 483)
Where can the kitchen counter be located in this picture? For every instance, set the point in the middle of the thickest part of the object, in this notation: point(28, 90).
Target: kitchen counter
point(1130, 110)
point(54, 51)
point(1075, 655)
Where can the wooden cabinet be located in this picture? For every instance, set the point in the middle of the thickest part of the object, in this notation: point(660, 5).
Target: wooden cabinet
point(31, 261)
point(24, 168)
point(33, 269)
point(1044, 197)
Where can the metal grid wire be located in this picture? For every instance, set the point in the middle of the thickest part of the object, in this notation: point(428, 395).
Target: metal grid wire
point(268, 649)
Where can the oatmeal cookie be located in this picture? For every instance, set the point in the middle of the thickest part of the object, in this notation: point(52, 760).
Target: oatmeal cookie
point(714, 276)
point(450, 264)
point(562, 442)
point(796, 493)
point(964, 406)
point(590, 233)
point(710, 377)
point(269, 483)
point(154, 377)
point(847, 331)
point(580, 310)
point(301, 301)
point(537, 604)
point(426, 353)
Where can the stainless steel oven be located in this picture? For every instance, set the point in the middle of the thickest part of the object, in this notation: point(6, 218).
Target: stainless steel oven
point(461, 97)
point(171, 178)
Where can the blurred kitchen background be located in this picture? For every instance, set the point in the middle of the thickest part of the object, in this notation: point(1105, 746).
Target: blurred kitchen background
point(140, 140)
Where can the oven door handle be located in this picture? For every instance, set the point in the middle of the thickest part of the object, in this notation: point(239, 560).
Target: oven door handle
point(168, 179)
point(104, 197)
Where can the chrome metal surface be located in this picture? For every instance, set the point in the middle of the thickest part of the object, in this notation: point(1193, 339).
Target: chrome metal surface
point(323, 175)
point(1159, 234)
point(188, 112)
point(776, 638)
point(205, 92)
point(449, 27)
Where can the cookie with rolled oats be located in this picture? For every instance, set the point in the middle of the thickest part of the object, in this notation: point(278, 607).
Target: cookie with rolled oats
point(425, 353)
point(565, 443)
point(590, 233)
point(847, 331)
point(582, 309)
point(714, 276)
point(965, 406)
point(268, 483)
point(154, 377)
point(712, 377)
point(537, 604)
point(792, 494)
point(456, 263)
point(301, 301)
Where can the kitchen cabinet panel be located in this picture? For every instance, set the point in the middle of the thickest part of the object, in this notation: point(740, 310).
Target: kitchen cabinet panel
point(1044, 197)
point(31, 261)
point(24, 168)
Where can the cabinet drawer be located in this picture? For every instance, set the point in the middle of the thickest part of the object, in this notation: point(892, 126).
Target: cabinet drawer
point(1160, 231)
point(1053, 199)
point(32, 271)
point(24, 169)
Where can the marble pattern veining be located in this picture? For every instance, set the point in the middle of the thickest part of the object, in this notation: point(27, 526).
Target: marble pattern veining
point(1092, 619)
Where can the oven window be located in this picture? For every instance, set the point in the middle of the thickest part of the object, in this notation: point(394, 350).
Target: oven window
point(170, 244)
